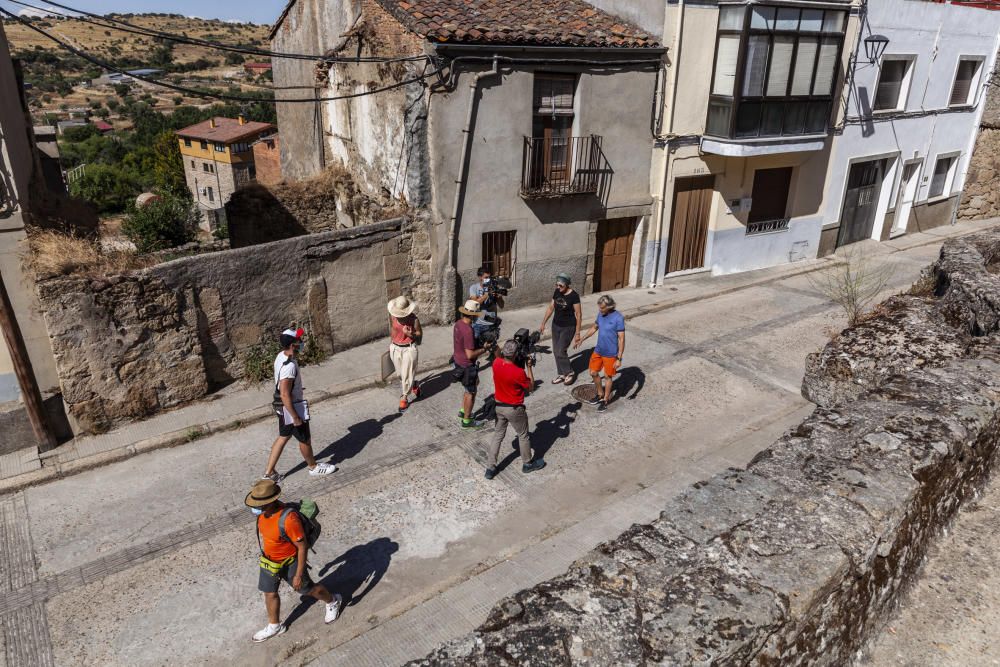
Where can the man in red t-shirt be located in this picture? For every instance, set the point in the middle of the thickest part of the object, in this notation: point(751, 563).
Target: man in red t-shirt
point(284, 555)
point(510, 384)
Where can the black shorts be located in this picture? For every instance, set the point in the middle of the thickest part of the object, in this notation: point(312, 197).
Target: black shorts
point(288, 430)
point(268, 582)
point(468, 376)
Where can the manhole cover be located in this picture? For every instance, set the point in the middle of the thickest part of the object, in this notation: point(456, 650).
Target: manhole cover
point(585, 392)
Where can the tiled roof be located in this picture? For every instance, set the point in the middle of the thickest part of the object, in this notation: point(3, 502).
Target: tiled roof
point(539, 22)
point(226, 130)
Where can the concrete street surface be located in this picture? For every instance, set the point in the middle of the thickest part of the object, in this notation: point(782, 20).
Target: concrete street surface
point(152, 560)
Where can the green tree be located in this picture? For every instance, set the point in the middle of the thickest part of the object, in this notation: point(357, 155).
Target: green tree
point(160, 224)
point(108, 187)
point(168, 166)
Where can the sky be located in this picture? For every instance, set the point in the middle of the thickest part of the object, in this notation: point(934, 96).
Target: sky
point(254, 11)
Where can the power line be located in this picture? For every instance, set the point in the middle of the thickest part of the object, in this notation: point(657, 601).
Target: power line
point(125, 26)
point(192, 92)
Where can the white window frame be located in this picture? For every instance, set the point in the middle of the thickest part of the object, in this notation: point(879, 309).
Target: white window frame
point(904, 86)
point(973, 85)
point(949, 179)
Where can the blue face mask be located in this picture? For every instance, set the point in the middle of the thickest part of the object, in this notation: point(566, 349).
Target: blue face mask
point(257, 511)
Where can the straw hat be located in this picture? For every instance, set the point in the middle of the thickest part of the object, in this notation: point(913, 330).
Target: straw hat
point(471, 308)
point(263, 493)
point(401, 307)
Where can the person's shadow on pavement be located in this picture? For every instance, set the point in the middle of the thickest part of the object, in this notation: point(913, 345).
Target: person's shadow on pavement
point(354, 574)
point(358, 437)
point(628, 379)
point(545, 434)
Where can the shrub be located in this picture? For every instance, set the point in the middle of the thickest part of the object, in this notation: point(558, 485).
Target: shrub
point(161, 224)
point(854, 284)
point(258, 362)
point(108, 187)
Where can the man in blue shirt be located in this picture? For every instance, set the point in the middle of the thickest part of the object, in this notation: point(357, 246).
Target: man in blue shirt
point(479, 291)
point(607, 356)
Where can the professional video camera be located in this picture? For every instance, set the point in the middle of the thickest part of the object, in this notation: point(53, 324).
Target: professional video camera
point(526, 346)
point(499, 286)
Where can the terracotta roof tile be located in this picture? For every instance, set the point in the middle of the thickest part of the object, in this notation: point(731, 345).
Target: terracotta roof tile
point(226, 130)
point(540, 22)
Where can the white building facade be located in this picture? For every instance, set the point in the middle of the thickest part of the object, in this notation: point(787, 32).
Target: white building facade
point(899, 163)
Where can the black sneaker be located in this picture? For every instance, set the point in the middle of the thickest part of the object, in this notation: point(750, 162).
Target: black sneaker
point(603, 407)
point(594, 401)
point(491, 473)
point(537, 464)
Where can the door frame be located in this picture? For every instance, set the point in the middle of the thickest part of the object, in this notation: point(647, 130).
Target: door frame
point(709, 236)
point(898, 225)
point(884, 194)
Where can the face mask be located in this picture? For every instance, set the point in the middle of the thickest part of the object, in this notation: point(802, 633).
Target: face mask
point(257, 511)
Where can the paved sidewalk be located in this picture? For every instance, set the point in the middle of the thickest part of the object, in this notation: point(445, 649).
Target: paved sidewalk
point(358, 368)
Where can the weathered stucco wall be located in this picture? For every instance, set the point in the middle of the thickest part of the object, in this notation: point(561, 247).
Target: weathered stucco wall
point(129, 346)
point(799, 558)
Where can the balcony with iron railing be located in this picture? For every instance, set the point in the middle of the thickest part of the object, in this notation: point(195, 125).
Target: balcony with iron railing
point(562, 166)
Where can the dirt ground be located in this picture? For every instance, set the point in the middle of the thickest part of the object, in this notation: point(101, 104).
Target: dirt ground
point(952, 616)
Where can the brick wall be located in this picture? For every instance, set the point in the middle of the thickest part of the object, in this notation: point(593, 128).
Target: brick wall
point(388, 37)
point(267, 157)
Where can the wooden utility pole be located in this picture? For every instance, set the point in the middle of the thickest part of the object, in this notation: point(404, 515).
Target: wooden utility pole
point(25, 374)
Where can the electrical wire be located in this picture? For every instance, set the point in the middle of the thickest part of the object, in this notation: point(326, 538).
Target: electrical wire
point(125, 26)
point(192, 92)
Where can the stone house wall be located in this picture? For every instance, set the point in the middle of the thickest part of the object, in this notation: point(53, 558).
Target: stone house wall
point(129, 346)
point(981, 194)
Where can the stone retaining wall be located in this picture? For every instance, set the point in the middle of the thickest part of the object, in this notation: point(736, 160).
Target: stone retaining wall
point(800, 557)
point(129, 346)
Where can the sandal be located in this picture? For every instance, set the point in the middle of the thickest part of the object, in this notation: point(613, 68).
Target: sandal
point(559, 379)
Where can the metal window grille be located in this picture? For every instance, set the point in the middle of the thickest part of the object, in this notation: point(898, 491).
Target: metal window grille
point(498, 253)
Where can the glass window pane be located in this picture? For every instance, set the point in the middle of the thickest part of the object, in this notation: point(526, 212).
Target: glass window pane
point(718, 119)
point(805, 61)
point(817, 117)
point(731, 17)
point(781, 63)
point(962, 89)
point(826, 66)
point(748, 119)
point(834, 21)
point(890, 84)
point(770, 124)
point(725, 65)
point(941, 168)
point(756, 66)
point(763, 18)
point(812, 20)
point(795, 118)
point(788, 18)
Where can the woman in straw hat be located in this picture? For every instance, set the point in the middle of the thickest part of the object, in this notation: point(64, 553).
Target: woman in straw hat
point(405, 332)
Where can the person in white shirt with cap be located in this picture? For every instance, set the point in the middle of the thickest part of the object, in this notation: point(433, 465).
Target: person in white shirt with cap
point(291, 408)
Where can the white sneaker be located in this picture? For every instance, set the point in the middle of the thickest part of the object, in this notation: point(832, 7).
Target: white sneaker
point(333, 609)
point(272, 630)
point(323, 469)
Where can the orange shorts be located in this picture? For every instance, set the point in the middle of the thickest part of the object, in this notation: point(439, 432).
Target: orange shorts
point(597, 362)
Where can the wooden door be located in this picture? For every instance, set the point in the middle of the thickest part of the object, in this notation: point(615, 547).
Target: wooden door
point(689, 223)
point(614, 253)
point(864, 182)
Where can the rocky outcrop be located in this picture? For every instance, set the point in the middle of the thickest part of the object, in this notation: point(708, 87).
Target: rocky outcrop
point(798, 558)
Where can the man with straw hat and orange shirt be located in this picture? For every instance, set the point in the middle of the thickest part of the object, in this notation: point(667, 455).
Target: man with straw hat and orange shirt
point(284, 552)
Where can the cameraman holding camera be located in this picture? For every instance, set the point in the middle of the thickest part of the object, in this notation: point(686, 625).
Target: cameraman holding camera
point(485, 294)
point(510, 385)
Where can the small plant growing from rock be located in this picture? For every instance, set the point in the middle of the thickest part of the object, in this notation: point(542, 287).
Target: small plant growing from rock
point(258, 362)
point(853, 285)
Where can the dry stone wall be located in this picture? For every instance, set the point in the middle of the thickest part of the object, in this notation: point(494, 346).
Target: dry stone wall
point(129, 346)
point(799, 558)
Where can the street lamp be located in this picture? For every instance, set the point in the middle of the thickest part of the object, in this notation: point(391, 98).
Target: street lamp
point(875, 47)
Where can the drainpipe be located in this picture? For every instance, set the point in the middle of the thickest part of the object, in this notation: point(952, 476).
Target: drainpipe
point(658, 234)
point(463, 162)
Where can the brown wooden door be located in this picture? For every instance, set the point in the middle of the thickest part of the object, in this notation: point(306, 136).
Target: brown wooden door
point(689, 223)
point(614, 253)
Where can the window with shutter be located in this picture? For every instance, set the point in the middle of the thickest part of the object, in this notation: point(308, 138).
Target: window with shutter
point(890, 94)
point(966, 81)
point(941, 180)
point(554, 94)
point(790, 59)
